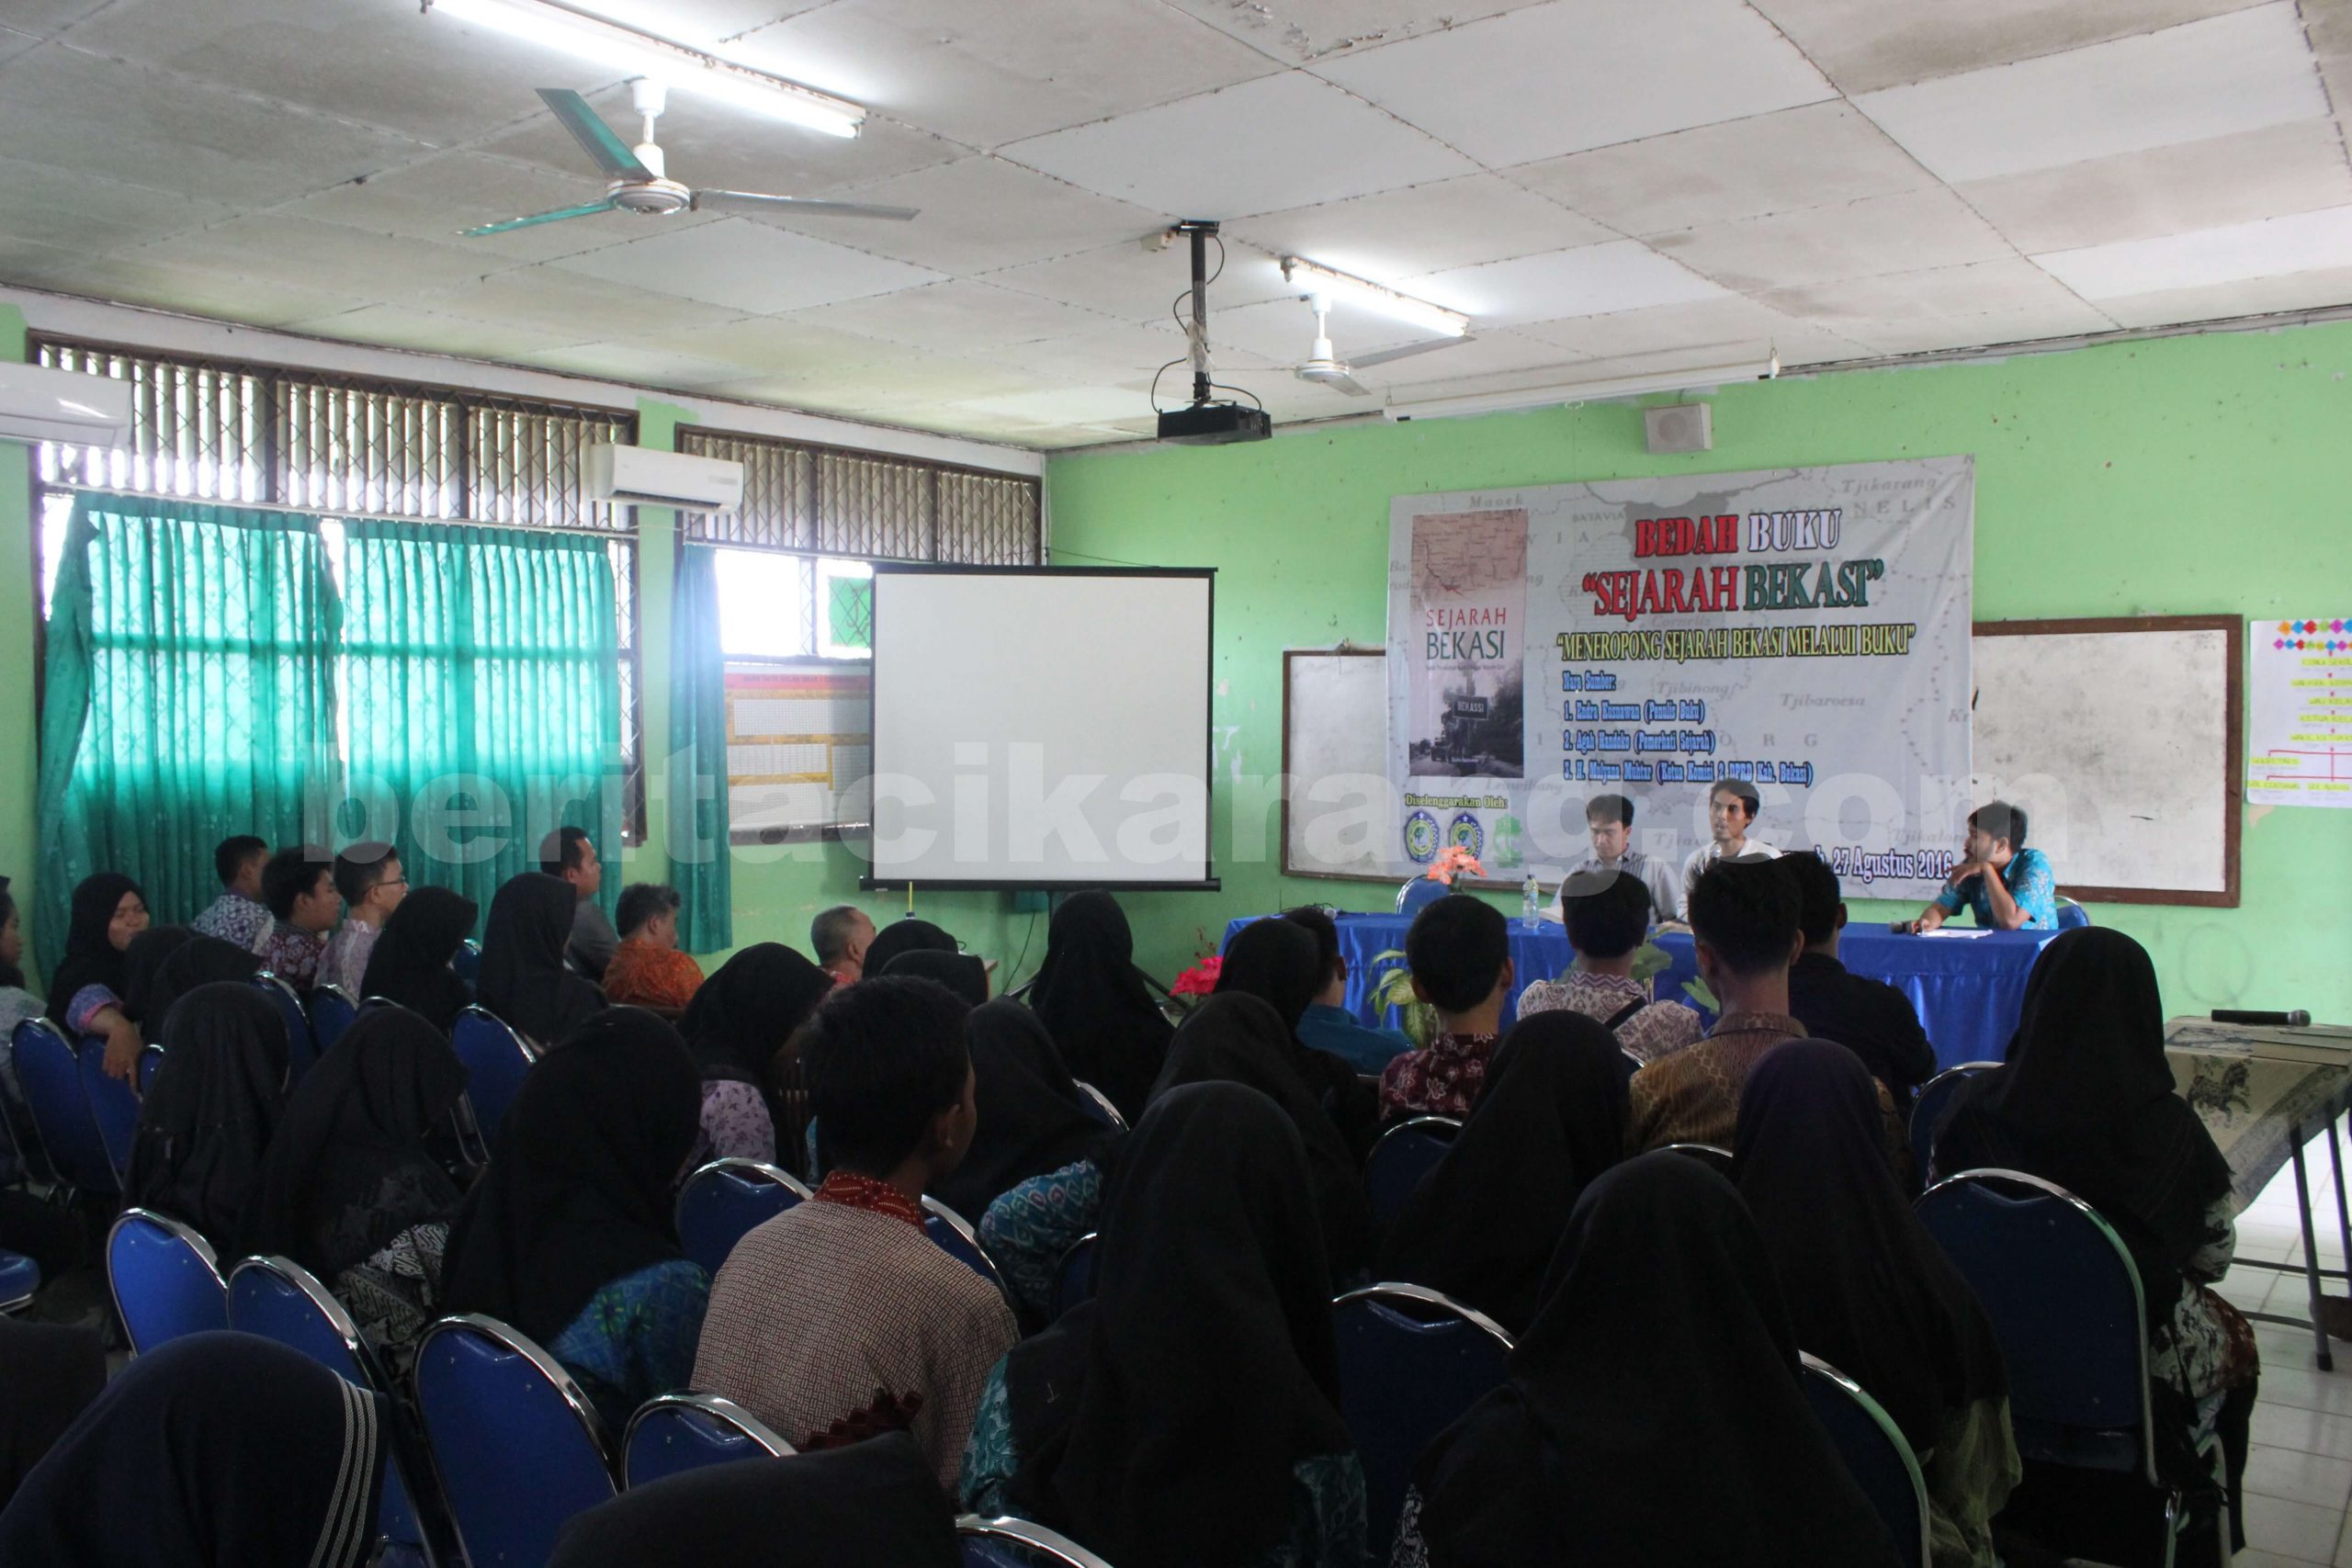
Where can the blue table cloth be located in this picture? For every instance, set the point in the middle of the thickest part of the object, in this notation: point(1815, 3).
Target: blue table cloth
point(1967, 990)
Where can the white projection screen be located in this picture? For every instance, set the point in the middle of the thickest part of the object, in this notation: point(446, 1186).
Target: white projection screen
point(1041, 727)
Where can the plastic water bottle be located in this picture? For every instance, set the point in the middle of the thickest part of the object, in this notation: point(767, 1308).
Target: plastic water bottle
point(1530, 899)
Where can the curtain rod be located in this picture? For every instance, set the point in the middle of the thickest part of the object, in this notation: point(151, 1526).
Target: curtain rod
point(345, 513)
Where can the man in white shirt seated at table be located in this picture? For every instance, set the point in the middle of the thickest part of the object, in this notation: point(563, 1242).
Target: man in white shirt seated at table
point(1610, 819)
point(1731, 809)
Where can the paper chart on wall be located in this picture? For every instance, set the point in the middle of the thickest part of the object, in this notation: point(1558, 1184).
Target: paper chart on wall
point(2299, 737)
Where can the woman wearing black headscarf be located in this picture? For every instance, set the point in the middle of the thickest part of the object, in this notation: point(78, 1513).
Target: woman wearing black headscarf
point(217, 1448)
point(1278, 963)
point(905, 936)
point(872, 1505)
point(1652, 1413)
point(522, 979)
point(2087, 1101)
point(961, 972)
point(348, 1190)
point(1033, 1179)
point(1189, 1414)
point(1095, 1004)
point(410, 963)
point(86, 989)
point(1237, 1039)
point(208, 1116)
point(53, 1371)
point(188, 960)
point(1484, 1222)
point(568, 1235)
point(1868, 1289)
point(737, 1027)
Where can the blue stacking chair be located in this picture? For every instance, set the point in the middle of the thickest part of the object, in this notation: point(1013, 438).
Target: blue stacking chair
point(2065, 1302)
point(19, 1278)
point(1875, 1451)
point(114, 1108)
point(954, 1232)
point(278, 1299)
point(518, 1448)
point(51, 1081)
point(1935, 1100)
point(2071, 916)
point(495, 1059)
point(301, 1045)
point(1714, 1156)
point(151, 1062)
point(1411, 1360)
point(466, 962)
point(1074, 1278)
point(1403, 1155)
point(1017, 1543)
point(1097, 1104)
point(165, 1278)
point(673, 1433)
point(723, 1201)
point(332, 1012)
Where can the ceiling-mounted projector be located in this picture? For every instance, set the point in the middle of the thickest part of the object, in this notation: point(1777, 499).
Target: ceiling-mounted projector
point(1206, 422)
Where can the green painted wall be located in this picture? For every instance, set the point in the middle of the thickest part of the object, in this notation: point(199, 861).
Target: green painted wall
point(2188, 475)
point(19, 612)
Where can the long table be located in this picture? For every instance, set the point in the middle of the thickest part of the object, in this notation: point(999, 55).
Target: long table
point(1967, 990)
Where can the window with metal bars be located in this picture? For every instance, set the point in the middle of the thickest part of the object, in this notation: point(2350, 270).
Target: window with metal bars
point(332, 444)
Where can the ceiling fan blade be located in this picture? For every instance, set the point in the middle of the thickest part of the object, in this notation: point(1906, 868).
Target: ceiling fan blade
point(586, 209)
point(759, 201)
point(597, 138)
point(1349, 385)
point(1363, 361)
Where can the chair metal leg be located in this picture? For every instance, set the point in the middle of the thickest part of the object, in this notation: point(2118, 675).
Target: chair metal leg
point(2311, 1246)
point(2343, 1210)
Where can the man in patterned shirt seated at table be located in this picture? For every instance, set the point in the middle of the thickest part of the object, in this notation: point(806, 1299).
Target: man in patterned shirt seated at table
point(2005, 885)
point(1607, 913)
point(1459, 952)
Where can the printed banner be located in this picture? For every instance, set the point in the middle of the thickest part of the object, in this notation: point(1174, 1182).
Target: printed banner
point(1802, 631)
point(2299, 739)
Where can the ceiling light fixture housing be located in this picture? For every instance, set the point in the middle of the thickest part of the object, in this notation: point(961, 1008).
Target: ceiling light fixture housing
point(1315, 278)
point(1763, 370)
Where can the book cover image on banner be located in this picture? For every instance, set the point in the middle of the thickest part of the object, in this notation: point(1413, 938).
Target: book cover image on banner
point(1801, 631)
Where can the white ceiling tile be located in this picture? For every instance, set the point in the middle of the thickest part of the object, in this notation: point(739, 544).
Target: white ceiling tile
point(1576, 73)
point(704, 23)
point(1812, 156)
point(568, 306)
point(1491, 352)
point(2201, 79)
point(1883, 234)
point(49, 205)
point(1868, 44)
point(2270, 247)
point(988, 71)
point(158, 284)
point(1622, 274)
point(1725, 328)
point(1135, 283)
point(2249, 296)
point(13, 42)
point(635, 365)
point(45, 17)
point(399, 326)
point(1265, 146)
point(433, 199)
point(1283, 330)
point(782, 346)
point(268, 247)
point(1424, 229)
point(749, 267)
point(1111, 355)
point(2011, 290)
point(981, 213)
point(1074, 405)
point(1300, 31)
point(959, 317)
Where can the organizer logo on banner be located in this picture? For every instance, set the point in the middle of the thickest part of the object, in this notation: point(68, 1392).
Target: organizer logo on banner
point(1803, 632)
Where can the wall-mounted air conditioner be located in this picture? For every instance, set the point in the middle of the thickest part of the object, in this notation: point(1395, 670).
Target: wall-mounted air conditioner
point(40, 404)
point(664, 479)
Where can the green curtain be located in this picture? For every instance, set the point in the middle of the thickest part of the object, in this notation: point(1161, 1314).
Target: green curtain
point(483, 697)
point(189, 696)
point(697, 766)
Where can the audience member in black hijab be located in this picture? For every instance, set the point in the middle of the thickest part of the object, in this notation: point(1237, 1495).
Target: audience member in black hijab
point(210, 1112)
point(1652, 1413)
point(1235, 1038)
point(1278, 963)
point(874, 1504)
point(51, 1372)
point(1189, 1414)
point(2087, 1101)
point(143, 965)
point(410, 963)
point(1095, 1003)
point(1033, 1116)
point(1484, 1222)
point(348, 1190)
point(568, 1235)
point(961, 972)
point(184, 965)
point(522, 979)
point(904, 936)
point(216, 1449)
point(737, 1027)
point(86, 988)
point(1868, 1290)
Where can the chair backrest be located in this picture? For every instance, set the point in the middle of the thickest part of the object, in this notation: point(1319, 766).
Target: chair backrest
point(1714, 1156)
point(1074, 1278)
point(1934, 1102)
point(19, 1278)
point(954, 1232)
point(166, 1280)
point(332, 1012)
point(2064, 1299)
point(1412, 1360)
point(51, 1081)
point(114, 1109)
point(495, 1059)
point(466, 962)
point(1098, 1105)
point(1874, 1451)
point(517, 1445)
point(301, 1045)
point(1017, 1543)
point(151, 1062)
point(675, 1432)
point(1403, 1155)
point(2071, 916)
point(723, 1201)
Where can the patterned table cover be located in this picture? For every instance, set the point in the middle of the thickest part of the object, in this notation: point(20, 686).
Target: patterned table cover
point(2253, 1105)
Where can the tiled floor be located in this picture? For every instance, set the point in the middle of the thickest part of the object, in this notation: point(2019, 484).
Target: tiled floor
point(2299, 1478)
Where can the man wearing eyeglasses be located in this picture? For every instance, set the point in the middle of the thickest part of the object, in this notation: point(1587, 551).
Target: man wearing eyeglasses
point(372, 884)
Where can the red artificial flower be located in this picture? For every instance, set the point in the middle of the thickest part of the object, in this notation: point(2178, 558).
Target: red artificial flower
point(1199, 980)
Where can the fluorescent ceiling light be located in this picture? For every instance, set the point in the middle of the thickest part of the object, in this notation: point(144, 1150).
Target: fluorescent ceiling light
point(1316, 279)
point(1588, 391)
point(556, 23)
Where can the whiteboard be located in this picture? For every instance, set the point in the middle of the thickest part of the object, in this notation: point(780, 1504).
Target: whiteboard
point(1338, 814)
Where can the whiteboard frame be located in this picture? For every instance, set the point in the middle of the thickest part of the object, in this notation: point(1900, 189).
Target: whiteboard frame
point(2233, 745)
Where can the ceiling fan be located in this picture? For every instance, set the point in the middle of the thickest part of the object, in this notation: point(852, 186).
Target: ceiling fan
point(636, 180)
point(1325, 366)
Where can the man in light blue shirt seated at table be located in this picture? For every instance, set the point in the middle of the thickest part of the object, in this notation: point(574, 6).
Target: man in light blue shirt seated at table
point(1328, 1025)
point(2005, 885)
